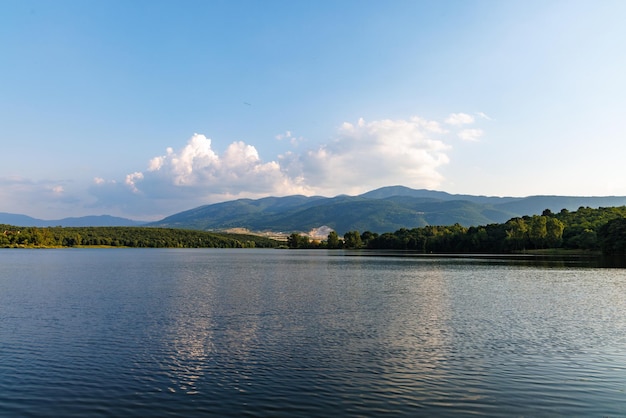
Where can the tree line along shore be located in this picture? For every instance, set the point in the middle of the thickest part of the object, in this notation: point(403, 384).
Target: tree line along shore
point(586, 229)
point(122, 236)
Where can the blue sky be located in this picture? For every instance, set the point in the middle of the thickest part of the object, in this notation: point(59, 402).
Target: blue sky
point(146, 108)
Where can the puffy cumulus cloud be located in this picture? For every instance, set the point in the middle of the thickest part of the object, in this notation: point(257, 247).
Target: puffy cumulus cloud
point(198, 168)
point(131, 179)
point(196, 175)
point(367, 155)
point(363, 156)
point(470, 134)
point(459, 119)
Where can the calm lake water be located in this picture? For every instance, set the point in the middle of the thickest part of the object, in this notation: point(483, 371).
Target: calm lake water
point(156, 332)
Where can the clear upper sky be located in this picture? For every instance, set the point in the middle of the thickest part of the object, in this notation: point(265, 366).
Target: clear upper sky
point(146, 108)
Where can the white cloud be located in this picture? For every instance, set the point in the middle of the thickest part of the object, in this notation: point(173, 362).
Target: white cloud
point(363, 156)
point(288, 135)
point(459, 119)
point(131, 179)
point(483, 115)
point(157, 162)
point(45, 199)
point(197, 170)
point(373, 154)
point(470, 134)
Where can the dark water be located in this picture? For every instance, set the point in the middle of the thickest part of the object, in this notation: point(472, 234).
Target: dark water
point(131, 332)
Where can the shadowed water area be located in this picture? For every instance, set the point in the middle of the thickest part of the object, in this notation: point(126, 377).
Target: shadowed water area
point(147, 332)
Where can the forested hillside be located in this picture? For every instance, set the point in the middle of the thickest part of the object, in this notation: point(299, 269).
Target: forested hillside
point(585, 229)
point(381, 210)
point(101, 220)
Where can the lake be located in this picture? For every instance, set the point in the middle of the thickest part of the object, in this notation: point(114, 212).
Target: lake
point(283, 333)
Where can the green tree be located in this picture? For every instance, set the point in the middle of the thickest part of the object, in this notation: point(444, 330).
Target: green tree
point(554, 232)
point(537, 231)
point(293, 241)
point(516, 233)
point(368, 236)
point(352, 239)
point(298, 241)
point(305, 242)
point(612, 236)
point(333, 240)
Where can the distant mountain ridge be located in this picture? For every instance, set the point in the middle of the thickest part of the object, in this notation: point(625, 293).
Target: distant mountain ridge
point(101, 220)
point(382, 210)
point(386, 209)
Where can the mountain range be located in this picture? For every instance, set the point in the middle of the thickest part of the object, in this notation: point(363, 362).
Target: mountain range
point(382, 210)
point(102, 220)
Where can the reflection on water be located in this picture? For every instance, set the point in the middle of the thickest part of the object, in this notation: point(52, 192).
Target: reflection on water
point(284, 333)
point(531, 260)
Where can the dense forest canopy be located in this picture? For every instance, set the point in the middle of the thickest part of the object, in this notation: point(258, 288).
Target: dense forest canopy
point(121, 236)
point(585, 229)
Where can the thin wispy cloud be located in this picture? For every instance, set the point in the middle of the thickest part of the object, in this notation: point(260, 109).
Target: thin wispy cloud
point(289, 136)
point(59, 190)
point(459, 119)
point(22, 194)
point(471, 135)
point(482, 115)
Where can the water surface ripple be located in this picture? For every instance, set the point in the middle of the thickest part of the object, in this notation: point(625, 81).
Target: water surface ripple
point(137, 332)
